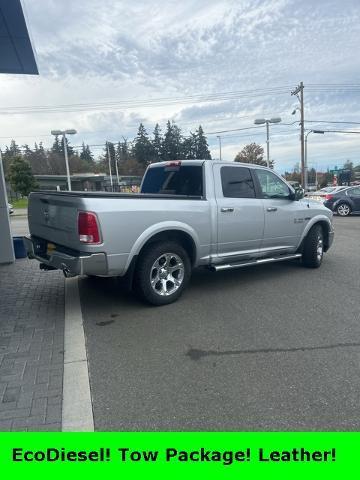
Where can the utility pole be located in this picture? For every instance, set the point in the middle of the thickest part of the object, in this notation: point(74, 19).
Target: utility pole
point(109, 158)
point(299, 92)
point(267, 145)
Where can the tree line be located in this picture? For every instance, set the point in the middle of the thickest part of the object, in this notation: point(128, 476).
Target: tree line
point(131, 157)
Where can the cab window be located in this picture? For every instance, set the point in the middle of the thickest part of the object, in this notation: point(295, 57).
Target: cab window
point(271, 185)
point(237, 182)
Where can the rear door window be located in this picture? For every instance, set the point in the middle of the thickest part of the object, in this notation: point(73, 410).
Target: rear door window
point(174, 180)
point(237, 182)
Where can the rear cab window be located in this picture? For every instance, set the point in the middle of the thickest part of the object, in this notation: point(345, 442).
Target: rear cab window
point(174, 179)
point(237, 182)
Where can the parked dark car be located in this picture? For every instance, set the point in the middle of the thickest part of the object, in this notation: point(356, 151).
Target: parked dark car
point(344, 202)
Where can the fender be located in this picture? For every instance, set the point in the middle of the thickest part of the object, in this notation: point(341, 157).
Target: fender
point(312, 222)
point(159, 228)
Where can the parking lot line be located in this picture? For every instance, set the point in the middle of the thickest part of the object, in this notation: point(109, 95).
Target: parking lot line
point(77, 412)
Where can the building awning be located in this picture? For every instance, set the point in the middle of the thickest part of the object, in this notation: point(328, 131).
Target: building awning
point(16, 56)
point(16, 51)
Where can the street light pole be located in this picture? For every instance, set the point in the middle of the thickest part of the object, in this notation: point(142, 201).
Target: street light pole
point(261, 121)
point(63, 133)
point(218, 136)
point(67, 162)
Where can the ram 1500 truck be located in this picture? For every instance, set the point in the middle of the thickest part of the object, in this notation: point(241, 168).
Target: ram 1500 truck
point(190, 213)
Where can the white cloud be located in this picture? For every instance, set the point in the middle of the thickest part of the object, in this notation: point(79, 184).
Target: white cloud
point(101, 50)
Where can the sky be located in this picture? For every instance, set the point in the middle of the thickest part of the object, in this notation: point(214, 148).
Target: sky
point(111, 65)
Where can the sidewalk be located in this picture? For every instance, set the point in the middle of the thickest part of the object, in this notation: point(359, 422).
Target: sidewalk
point(20, 212)
point(31, 347)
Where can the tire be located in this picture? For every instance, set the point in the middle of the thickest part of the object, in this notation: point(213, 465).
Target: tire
point(343, 209)
point(163, 270)
point(313, 249)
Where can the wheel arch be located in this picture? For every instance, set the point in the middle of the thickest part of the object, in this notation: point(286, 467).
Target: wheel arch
point(325, 224)
point(177, 231)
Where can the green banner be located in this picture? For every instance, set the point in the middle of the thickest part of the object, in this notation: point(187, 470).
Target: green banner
point(179, 455)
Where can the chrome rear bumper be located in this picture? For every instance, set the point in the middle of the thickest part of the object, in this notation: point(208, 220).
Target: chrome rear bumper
point(82, 264)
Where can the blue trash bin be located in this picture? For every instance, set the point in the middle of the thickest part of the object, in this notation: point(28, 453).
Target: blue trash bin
point(19, 247)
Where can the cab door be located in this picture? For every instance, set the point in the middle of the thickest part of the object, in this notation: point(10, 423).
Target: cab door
point(240, 214)
point(284, 217)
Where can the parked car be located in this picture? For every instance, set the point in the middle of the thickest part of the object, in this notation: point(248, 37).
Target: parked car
point(320, 195)
point(344, 202)
point(10, 208)
point(191, 213)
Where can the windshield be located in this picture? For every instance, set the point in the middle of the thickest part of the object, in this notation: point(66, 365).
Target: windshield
point(174, 180)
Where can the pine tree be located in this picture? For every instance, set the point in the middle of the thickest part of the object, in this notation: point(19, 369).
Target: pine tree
point(9, 155)
point(86, 157)
point(172, 144)
point(57, 145)
point(21, 177)
point(202, 147)
point(142, 149)
point(157, 144)
point(189, 147)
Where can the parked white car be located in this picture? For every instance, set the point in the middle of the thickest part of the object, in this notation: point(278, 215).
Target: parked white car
point(11, 208)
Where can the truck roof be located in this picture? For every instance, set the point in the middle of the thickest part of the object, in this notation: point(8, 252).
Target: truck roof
point(201, 162)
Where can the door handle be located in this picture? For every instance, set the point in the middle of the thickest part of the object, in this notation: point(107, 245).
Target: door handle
point(271, 209)
point(227, 209)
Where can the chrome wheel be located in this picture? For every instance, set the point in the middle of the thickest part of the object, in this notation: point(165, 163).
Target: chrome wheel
point(319, 249)
point(343, 209)
point(167, 274)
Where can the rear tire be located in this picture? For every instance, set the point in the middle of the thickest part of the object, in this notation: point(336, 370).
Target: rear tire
point(313, 249)
point(343, 209)
point(162, 272)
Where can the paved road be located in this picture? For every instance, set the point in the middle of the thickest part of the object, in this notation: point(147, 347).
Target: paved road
point(19, 225)
point(271, 348)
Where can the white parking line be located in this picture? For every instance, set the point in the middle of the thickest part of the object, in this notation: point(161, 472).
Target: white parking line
point(77, 413)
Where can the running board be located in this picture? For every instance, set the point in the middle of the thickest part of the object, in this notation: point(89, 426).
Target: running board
point(261, 261)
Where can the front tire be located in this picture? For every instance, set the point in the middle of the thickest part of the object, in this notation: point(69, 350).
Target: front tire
point(313, 250)
point(162, 272)
point(343, 209)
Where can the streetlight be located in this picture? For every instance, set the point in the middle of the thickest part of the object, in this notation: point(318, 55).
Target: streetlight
point(321, 132)
point(218, 136)
point(57, 133)
point(261, 121)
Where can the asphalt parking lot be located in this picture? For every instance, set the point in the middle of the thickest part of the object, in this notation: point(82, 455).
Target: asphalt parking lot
point(273, 347)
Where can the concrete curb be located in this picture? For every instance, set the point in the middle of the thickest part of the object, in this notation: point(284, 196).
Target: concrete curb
point(77, 413)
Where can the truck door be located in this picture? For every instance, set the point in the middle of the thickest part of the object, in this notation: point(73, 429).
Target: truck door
point(240, 215)
point(284, 218)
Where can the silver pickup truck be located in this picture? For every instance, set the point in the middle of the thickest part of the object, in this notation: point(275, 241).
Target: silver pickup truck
point(190, 213)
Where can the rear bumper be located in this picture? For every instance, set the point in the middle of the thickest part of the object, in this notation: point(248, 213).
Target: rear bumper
point(71, 265)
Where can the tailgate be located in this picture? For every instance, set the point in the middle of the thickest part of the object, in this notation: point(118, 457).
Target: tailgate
point(55, 218)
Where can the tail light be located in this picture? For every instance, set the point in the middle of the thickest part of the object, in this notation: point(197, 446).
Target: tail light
point(88, 228)
point(328, 196)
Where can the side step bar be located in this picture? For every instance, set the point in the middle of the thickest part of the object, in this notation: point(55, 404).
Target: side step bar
point(230, 266)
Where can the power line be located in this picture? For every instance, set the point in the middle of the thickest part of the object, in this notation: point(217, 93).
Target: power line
point(157, 102)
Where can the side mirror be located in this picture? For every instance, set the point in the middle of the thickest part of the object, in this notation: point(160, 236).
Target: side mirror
point(298, 194)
